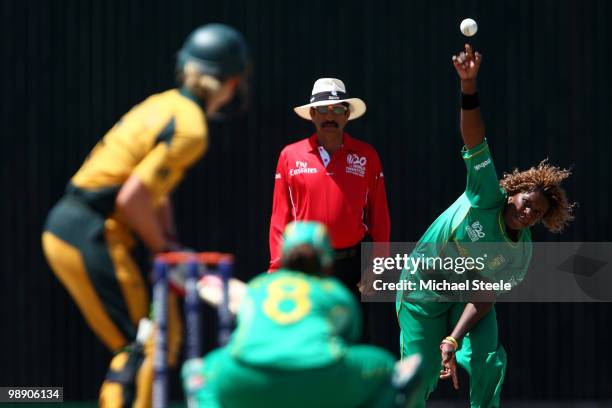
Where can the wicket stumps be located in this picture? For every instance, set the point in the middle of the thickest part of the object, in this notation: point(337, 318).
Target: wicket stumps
point(197, 265)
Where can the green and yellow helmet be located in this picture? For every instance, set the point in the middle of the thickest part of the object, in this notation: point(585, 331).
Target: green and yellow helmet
point(216, 49)
point(309, 233)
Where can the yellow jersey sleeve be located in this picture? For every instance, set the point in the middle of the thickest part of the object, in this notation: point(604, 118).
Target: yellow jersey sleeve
point(165, 165)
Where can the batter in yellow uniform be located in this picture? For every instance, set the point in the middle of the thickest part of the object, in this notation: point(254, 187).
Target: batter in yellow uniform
point(121, 192)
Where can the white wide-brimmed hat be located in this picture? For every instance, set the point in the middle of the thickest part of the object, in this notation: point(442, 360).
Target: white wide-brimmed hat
point(330, 91)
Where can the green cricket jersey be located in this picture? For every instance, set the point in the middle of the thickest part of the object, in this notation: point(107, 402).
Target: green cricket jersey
point(291, 320)
point(473, 226)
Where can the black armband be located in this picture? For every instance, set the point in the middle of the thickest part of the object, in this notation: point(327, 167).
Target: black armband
point(469, 102)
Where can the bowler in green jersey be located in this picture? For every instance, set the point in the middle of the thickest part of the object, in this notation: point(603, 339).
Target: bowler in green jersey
point(490, 211)
point(293, 343)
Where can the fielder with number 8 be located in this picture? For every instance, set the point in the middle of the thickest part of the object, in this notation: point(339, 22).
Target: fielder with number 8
point(292, 346)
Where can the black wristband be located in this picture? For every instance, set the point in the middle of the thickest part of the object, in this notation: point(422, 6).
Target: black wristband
point(469, 102)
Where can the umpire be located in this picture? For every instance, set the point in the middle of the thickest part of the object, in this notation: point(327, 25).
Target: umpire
point(335, 179)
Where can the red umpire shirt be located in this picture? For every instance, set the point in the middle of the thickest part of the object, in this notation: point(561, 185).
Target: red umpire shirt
point(346, 192)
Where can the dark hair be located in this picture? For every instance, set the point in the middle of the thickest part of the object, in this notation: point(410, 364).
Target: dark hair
point(302, 258)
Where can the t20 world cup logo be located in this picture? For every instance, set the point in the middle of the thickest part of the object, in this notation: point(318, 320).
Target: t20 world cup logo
point(354, 160)
point(356, 164)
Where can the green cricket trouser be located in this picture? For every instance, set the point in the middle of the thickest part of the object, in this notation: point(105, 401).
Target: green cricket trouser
point(424, 325)
point(362, 378)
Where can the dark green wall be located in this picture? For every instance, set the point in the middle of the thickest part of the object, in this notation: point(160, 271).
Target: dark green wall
point(70, 68)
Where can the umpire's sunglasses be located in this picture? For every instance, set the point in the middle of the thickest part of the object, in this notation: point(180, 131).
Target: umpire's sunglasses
point(335, 109)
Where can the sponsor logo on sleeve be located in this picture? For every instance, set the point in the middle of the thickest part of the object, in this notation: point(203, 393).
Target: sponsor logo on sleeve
point(482, 165)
